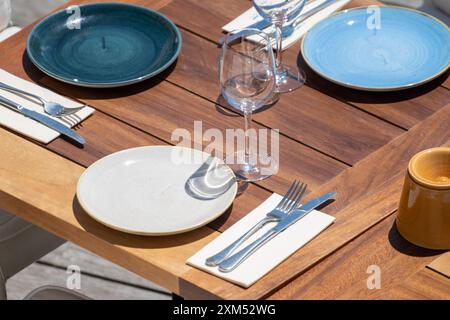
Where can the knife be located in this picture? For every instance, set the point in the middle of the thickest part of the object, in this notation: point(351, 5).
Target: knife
point(235, 260)
point(296, 28)
point(45, 120)
point(317, 6)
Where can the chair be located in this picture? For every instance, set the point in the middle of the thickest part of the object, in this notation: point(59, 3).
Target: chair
point(21, 244)
point(55, 293)
point(6, 28)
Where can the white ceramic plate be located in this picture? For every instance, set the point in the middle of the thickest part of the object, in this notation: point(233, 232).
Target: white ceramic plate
point(157, 190)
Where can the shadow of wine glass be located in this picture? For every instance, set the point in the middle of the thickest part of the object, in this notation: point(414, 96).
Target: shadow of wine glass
point(223, 107)
point(211, 180)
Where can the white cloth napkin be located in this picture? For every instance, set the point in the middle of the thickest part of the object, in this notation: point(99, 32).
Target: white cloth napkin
point(252, 18)
point(272, 253)
point(29, 127)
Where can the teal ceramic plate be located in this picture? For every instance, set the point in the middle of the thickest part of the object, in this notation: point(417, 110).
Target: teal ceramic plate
point(407, 48)
point(110, 45)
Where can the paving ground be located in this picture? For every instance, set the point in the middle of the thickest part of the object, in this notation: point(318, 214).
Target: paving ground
point(100, 279)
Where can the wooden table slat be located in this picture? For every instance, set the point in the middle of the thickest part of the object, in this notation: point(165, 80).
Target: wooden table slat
point(404, 109)
point(323, 129)
point(367, 193)
point(350, 186)
point(424, 284)
point(446, 83)
point(304, 115)
point(40, 187)
point(121, 136)
point(156, 109)
point(344, 275)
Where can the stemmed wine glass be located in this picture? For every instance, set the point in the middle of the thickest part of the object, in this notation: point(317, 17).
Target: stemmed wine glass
point(247, 81)
point(278, 12)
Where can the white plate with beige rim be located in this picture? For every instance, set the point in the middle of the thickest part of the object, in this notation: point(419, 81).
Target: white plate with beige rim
point(157, 190)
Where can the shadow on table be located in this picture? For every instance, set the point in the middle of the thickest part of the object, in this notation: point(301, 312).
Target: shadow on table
point(226, 109)
point(360, 96)
point(402, 245)
point(135, 241)
point(210, 181)
point(91, 93)
point(31, 70)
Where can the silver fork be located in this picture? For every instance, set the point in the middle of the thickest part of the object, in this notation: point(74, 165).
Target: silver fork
point(290, 201)
point(52, 108)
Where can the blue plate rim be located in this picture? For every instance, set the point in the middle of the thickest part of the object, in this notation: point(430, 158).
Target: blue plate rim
point(107, 84)
point(375, 89)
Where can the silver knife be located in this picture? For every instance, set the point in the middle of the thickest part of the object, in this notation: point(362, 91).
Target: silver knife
point(45, 120)
point(235, 260)
point(263, 24)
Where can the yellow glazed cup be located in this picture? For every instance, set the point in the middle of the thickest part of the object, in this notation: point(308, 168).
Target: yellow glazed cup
point(424, 212)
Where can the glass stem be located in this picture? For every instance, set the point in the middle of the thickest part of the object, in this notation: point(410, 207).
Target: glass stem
point(247, 128)
point(279, 38)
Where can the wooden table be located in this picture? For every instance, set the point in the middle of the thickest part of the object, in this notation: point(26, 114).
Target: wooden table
point(355, 143)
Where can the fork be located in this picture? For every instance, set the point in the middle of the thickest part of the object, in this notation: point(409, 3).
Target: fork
point(52, 108)
point(289, 202)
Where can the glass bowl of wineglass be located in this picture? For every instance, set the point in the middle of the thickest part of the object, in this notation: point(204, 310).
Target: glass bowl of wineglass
point(247, 80)
point(280, 12)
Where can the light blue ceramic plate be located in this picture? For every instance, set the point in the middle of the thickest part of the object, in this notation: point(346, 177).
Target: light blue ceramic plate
point(113, 44)
point(409, 48)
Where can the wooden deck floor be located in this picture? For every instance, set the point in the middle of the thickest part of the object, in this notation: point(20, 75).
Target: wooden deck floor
point(100, 279)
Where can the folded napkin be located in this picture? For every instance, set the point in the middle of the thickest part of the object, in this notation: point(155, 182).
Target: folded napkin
point(441, 264)
point(251, 18)
point(29, 127)
point(272, 253)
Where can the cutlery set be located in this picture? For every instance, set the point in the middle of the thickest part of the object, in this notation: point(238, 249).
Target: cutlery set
point(287, 212)
point(289, 202)
point(53, 109)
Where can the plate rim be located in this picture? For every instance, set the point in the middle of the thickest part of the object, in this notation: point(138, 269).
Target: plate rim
point(113, 84)
point(92, 215)
point(374, 89)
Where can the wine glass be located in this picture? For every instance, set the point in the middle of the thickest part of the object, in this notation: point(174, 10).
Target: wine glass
point(247, 81)
point(278, 12)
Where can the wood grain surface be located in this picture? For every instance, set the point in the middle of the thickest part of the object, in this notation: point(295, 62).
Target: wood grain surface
point(352, 142)
point(424, 284)
point(344, 275)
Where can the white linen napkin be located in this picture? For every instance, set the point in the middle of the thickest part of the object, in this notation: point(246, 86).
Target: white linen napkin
point(251, 18)
point(29, 127)
point(272, 253)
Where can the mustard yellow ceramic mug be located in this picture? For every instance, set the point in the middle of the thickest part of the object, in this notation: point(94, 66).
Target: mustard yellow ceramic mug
point(424, 212)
